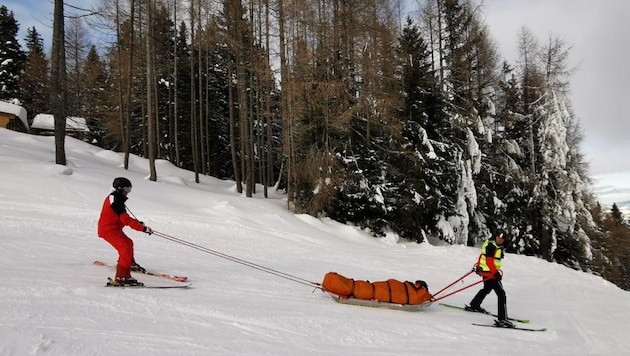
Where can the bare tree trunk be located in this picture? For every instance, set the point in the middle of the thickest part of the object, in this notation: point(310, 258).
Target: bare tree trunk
point(233, 148)
point(193, 106)
point(151, 117)
point(171, 94)
point(268, 114)
point(209, 166)
point(440, 44)
point(246, 61)
point(58, 85)
point(243, 116)
point(200, 89)
point(284, 106)
point(232, 11)
point(127, 130)
point(176, 90)
point(120, 76)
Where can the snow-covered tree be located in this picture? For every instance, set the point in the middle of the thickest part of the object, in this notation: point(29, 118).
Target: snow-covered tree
point(558, 205)
point(11, 56)
point(35, 81)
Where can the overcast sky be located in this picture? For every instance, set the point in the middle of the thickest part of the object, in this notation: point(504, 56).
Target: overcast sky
point(599, 87)
point(600, 53)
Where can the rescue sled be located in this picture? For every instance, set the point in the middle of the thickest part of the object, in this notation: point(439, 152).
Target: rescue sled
point(392, 294)
point(377, 304)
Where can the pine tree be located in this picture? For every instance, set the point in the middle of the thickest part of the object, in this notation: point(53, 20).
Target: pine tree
point(93, 104)
point(505, 185)
point(35, 81)
point(76, 47)
point(423, 171)
point(181, 125)
point(164, 38)
point(559, 197)
point(12, 57)
point(468, 62)
point(616, 214)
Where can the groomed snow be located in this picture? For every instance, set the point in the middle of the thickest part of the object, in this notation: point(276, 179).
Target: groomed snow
point(54, 303)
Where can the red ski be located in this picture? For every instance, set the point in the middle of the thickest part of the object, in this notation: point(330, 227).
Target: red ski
point(157, 274)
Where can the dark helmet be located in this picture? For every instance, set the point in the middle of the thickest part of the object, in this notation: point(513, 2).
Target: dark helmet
point(120, 183)
point(504, 235)
point(423, 284)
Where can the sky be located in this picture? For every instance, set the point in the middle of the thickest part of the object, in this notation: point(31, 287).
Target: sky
point(54, 301)
point(599, 56)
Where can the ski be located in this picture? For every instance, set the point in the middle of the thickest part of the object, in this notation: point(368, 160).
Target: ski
point(514, 328)
point(524, 321)
point(157, 274)
point(149, 286)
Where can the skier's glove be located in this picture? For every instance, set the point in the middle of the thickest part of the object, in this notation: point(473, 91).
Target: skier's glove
point(148, 230)
point(498, 276)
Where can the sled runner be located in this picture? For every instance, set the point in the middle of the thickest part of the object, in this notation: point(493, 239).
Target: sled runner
point(376, 304)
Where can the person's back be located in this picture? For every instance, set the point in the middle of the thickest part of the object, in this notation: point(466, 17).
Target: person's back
point(110, 218)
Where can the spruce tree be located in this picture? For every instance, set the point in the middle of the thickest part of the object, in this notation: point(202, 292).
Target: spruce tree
point(616, 214)
point(182, 125)
point(12, 57)
point(93, 103)
point(35, 81)
point(558, 196)
point(424, 167)
point(505, 187)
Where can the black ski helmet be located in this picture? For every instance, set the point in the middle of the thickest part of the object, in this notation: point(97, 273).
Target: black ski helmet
point(120, 183)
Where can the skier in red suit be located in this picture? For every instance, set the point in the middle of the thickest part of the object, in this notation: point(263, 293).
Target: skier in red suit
point(113, 219)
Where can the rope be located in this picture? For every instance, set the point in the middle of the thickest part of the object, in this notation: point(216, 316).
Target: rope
point(459, 290)
point(239, 260)
point(434, 299)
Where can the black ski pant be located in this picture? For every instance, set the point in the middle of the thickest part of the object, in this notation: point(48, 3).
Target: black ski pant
point(488, 286)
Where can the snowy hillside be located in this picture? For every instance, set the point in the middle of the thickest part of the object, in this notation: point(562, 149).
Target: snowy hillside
point(54, 302)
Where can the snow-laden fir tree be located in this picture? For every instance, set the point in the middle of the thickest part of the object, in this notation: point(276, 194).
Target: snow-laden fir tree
point(11, 56)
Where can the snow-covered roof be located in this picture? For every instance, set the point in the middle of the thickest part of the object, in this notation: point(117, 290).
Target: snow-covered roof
point(14, 110)
point(47, 122)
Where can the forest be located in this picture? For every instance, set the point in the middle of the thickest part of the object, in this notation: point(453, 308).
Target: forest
point(395, 122)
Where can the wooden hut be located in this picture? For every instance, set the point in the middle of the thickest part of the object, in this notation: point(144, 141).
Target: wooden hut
point(44, 124)
point(13, 117)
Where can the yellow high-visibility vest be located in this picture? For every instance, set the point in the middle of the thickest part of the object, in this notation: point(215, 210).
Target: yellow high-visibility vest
point(498, 255)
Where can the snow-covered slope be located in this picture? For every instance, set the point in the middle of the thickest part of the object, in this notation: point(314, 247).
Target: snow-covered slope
point(54, 303)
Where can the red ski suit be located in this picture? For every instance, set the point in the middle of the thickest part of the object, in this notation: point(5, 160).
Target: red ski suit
point(113, 218)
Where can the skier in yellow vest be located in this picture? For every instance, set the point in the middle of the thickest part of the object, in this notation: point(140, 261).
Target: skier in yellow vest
point(489, 268)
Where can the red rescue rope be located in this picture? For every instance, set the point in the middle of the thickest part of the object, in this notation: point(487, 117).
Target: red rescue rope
point(434, 299)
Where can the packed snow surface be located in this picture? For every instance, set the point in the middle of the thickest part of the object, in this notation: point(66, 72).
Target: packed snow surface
point(54, 301)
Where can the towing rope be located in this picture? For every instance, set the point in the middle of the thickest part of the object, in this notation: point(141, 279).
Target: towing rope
point(256, 266)
point(435, 298)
